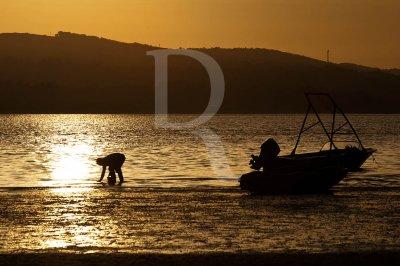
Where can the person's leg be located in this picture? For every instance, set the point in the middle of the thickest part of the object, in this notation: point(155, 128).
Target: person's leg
point(112, 177)
point(120, 176)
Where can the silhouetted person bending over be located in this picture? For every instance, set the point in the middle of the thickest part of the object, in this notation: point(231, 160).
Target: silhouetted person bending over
point(114, 162)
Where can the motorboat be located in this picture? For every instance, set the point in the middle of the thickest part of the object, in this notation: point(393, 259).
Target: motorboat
point(312, 172)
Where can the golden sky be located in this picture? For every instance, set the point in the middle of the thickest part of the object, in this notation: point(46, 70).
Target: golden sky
point(360, 31)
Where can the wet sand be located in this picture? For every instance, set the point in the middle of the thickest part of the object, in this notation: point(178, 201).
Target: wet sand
point(123, 225)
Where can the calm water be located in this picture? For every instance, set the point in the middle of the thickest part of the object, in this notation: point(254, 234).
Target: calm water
point(181, 193)
point(59, 150)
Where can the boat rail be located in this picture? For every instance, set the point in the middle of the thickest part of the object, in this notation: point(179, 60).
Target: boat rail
point(336, 110)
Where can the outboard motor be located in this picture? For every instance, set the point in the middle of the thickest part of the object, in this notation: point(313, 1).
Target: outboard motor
point(269, 151)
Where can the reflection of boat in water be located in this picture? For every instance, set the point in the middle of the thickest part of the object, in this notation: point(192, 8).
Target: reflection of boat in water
point(314, 172)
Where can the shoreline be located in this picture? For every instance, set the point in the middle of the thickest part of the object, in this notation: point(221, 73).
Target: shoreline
point(196, 225)
point(299, 258)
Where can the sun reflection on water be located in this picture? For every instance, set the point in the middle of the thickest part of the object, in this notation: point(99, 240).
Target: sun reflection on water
point(54, 243)
point(70, 221)
point(71, 168)
point(71, 163)
point(70, 190)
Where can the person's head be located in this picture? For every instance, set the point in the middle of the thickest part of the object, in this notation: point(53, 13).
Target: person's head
point(100, 161)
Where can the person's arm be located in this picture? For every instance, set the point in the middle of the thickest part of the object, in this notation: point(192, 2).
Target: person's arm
point(120, 176)
point(103, 172)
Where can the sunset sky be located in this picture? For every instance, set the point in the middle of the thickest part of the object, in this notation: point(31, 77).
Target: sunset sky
point(359, 31)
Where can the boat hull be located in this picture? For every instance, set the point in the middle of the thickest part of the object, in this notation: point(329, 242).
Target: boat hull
point(302, 181)
point(351, 158)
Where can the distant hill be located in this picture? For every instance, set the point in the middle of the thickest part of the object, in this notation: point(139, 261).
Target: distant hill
point(76, 73)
